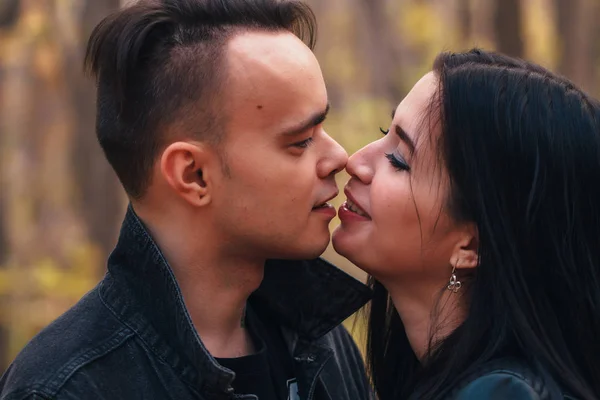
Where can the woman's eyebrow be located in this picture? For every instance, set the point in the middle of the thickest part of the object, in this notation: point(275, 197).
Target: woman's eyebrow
point(405, 138)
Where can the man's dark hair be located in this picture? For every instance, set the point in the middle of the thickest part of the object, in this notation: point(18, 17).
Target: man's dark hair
point(158, 64)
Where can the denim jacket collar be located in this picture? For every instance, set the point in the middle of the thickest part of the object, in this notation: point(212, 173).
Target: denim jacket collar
point(309, 298)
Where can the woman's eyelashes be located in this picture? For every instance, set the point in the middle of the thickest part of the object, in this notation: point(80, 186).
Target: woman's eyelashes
point(397, 162)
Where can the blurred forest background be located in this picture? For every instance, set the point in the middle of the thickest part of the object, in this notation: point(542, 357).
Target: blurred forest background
point(61, 204)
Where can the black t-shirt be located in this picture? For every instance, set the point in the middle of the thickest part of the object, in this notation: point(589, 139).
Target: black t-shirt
point(268, 373)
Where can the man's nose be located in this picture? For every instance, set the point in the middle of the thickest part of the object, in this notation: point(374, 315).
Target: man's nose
point(334, 158)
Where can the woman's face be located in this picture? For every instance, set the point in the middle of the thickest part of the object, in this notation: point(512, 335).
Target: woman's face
point(394, 224)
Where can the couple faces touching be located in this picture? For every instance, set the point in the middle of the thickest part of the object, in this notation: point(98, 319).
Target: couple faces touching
point(265, 186)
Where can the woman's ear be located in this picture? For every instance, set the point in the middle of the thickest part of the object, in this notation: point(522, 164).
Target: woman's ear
point(466, 250)
point(187, 168)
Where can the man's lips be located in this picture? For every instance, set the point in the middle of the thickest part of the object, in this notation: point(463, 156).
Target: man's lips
point(325, 203)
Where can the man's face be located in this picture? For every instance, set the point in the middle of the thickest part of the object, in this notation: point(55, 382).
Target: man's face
point(280, 161)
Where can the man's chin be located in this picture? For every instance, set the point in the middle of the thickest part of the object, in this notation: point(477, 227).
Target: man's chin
point(308, 251)
point(312, 252)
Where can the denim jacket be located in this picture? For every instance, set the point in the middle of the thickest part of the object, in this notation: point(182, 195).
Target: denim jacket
point(131, 337)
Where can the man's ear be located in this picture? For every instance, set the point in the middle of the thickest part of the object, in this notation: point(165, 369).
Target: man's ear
point(466, 250)
point(188, 169)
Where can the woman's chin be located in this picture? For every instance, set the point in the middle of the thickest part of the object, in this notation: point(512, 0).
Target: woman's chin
point(339, 241)
point(346, 245)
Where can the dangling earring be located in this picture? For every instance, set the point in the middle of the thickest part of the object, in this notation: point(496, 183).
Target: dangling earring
point(454, 285)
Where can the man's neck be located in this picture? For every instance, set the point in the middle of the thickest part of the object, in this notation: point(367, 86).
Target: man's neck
point(215, 293)
point(215, 287)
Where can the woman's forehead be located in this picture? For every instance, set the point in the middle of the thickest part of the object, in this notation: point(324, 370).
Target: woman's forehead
point(414, 114)
point(414, 106)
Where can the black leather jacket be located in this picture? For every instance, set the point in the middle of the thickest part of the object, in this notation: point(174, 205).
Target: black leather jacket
point(508, 379)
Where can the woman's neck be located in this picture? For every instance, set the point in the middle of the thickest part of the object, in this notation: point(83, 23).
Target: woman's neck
point(428, 313)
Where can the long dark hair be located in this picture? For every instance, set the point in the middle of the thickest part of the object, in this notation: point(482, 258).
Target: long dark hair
point(522, 150)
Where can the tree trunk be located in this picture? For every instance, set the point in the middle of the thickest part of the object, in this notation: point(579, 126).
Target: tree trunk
point(100, 195)
point(378, 46)
point(9, 13)
point(577, 27)
point(463, 11)
point(508, 27)
point(482, 22)
point(3, 194)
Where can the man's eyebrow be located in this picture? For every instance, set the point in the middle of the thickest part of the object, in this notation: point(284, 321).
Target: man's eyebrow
point(405, 138)
point(310, 122)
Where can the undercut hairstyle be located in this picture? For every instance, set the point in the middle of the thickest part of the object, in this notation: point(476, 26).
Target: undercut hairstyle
point(159, 66)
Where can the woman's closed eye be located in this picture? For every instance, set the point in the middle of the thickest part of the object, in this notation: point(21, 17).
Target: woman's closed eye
point(397, 162)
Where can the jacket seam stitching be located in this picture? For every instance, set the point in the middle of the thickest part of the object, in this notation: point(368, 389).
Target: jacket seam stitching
point(114, 342)
point(146, 345)
point(36, 390)
point(313, 386)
